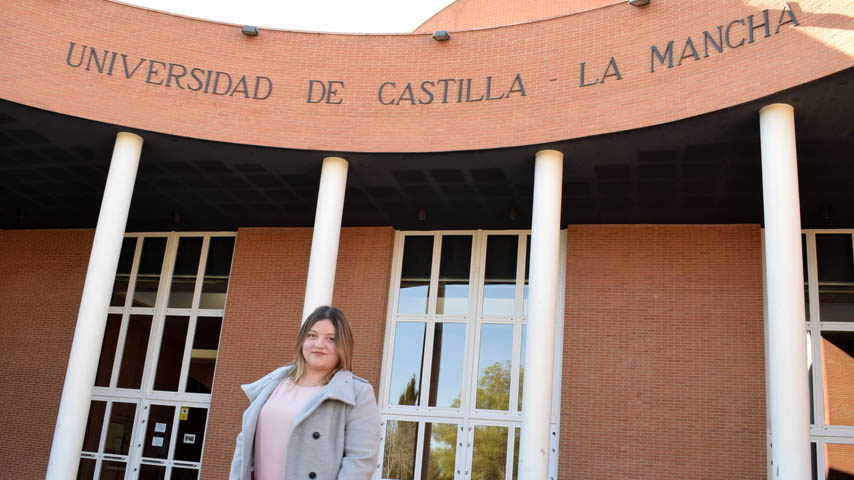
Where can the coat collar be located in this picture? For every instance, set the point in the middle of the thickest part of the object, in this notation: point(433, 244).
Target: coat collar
point(340, 387)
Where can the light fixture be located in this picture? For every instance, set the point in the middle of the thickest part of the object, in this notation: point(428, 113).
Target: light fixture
point(639, 3)
point(441, 35)
point(250, 31)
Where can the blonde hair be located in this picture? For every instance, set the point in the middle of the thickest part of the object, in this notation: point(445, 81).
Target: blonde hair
point(343, 342)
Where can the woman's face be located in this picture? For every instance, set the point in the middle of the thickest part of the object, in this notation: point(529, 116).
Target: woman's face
point(319, 348)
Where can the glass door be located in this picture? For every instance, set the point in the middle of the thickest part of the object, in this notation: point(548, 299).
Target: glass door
point(172, 436)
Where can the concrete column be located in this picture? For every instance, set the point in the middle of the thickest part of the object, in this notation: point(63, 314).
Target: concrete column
point(327, 230)
point(94, 305)
point(542, 302)
point(788, 399)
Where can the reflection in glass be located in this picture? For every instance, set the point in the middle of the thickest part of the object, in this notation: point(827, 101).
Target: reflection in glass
point(120, 428)
point(440, 451)
point(839, 461)
point(171, 353)
point(493, 371)
point(454, 266)
point(191, 434)
point(151, 472)
point(112, 470)
point(86, 469)
point(217, 270)
point(837, 349)
point(516, 434)
point(203, 355)
point(120, 285)
point(184, 273)
point(446, 376)
point(415, 275)
point(527, 274)
point(108, 350)
point(133, 355)
point(499, 284)
point(835, 277)
point(522, 367)
point(401, 439)
point(489, 459)
point(405, 383)
point(148, 274)
point(158, 431)
point(92, 435)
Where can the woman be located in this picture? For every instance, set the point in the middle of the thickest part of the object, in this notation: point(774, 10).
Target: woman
point(313, 419)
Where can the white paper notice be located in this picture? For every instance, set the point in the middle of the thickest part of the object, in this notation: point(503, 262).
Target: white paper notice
point(189, 438)
point(159, 427)
point(156, 441)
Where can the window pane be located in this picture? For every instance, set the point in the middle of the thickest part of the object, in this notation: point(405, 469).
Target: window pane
point(405, 384)
point(522, 367)
point(203, 356)
point(809, 377)
point(148, 274)
point(527, 273)
point(454, 267)
point(112, 470)
point(92, 437)
point(814, 456)
point(108, 350)
point(489, 459)
point(120, 428)
point(191, 435)
point(171, 353)
point(184, 273)
point(415, 275)
point(86, 469)
point(184, 474)
point(158, 431)
point(152, 472)
point(440, 451)
point(217, 269)
point(120, 286)
point(493, 371)
point(835, 278)
point(499, 285)
point(401, 439)
point(517, 434)
point(838, 360)
point(133, 355)
point(446, 377)
point(839, 461)
point(806, 276)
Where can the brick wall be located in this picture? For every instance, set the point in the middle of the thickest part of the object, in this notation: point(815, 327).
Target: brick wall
point(663, 353)
point(41, 280)
point(265, 301)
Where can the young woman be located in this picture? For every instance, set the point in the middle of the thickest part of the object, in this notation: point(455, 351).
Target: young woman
point(313, 419)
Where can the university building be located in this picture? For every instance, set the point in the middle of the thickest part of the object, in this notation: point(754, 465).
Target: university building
point(577, 239)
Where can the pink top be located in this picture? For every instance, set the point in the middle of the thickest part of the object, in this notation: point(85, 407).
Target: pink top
point(274, 426)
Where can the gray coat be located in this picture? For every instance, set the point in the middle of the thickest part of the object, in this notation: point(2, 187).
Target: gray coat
point(335, 436)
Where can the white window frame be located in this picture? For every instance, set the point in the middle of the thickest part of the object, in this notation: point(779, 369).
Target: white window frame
point(467, 418)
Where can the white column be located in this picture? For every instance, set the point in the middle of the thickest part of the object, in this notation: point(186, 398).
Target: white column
point(542, 302)
point(787, 356)
point(92, 317)
point(327, 230)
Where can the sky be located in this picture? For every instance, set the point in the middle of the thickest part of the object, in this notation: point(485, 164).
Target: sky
point(342, 16)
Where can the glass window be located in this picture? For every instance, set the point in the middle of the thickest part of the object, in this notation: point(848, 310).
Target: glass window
point(112, 470)
point(184, 474)
point(120, 286)
point(446, 376)
point(120, 427)
point(203, 356)
point(401, 440)
point(522, 367)
point(499, 284)
point(86, 469)
point(217, 271)
point(839, 461)
point(148, 274)
point(171, 357)
point(835, 277)
point(185, 271)
point(151, 472)
point(405, 384)
point(806, 276)
point(838, 361)
point(191, 434)
point(108, 350)
point(133, 355)
point(158, 431)
point(92, 435)
point(489, 458)
point(440, 451)
point(454, 266)
point(415, 275)
point(493, 378)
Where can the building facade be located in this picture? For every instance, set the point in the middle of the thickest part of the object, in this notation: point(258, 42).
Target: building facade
point(577, 239)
